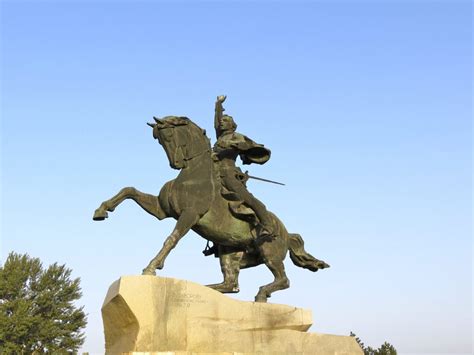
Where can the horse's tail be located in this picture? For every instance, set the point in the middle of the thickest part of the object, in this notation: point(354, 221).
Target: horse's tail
point(300, 257)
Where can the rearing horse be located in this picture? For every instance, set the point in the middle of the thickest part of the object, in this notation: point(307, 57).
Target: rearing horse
point(194, 199)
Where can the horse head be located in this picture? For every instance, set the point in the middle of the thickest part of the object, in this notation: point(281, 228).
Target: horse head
point(181, 139)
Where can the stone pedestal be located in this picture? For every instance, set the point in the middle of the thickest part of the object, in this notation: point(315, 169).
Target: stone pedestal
point(168, 316)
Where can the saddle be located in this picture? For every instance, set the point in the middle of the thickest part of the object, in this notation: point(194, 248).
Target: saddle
point(237, 207)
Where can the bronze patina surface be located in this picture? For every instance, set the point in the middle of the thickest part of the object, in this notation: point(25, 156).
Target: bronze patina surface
point(210, 196)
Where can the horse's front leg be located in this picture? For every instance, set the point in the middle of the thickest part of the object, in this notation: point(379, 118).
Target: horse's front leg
point(186, 220)
point(149, 203)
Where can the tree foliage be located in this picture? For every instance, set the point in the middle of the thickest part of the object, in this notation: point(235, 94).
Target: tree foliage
point(37, 311)
point(385, 348)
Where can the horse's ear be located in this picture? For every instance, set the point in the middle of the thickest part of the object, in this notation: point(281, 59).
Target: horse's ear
point(152, 125)
point(158, 121)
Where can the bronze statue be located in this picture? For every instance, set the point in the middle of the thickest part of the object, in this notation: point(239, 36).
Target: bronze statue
point(209, 196)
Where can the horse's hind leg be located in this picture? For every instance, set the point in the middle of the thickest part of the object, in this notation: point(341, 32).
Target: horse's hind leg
point(230, 266)
point(281, 282)
point(148, 202)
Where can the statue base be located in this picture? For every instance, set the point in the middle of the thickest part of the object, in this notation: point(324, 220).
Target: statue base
point(157, 315)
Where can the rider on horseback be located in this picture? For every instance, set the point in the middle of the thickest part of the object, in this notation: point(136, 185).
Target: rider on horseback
point(229, 145)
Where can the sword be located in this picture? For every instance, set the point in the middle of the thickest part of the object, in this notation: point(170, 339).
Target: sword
point(262, 179)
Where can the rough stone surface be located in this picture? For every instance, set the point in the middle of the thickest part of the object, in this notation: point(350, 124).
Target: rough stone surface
point(156, 315)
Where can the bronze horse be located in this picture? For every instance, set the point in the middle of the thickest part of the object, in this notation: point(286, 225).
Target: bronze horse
point(194, 199)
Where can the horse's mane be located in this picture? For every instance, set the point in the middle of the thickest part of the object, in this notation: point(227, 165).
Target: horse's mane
point(197, 139)
point(203, 131)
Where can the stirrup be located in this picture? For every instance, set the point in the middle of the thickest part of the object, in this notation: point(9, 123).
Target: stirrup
point(210, 250)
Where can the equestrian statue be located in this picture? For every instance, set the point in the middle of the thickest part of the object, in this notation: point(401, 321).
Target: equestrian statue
point(210, 196)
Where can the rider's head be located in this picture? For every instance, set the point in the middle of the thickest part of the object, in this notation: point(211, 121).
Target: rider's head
point(227, 123)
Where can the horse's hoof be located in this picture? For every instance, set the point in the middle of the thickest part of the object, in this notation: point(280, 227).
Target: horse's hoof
point(261, 299)
point(323, 265)
point(224, 288)
point(100, 215)
point(148, 271)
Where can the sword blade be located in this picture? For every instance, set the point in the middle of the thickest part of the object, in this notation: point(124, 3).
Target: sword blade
point(266, 180)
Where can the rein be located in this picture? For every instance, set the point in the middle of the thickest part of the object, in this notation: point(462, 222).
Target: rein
point(197, 154)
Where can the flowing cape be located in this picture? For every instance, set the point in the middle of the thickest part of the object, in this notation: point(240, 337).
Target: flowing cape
point(251, 152)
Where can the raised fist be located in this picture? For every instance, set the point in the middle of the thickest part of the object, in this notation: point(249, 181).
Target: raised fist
point(221, 98)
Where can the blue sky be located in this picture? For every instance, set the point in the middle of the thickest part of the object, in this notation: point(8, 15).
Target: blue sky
point(366, 107)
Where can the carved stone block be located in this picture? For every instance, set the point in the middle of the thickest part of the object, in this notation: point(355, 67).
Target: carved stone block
point(164, 315)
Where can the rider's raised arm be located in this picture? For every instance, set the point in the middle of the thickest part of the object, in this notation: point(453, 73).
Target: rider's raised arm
point(218, 114)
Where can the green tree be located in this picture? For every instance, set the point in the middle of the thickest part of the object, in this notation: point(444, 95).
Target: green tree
point(37, 311)
point(385, 348)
